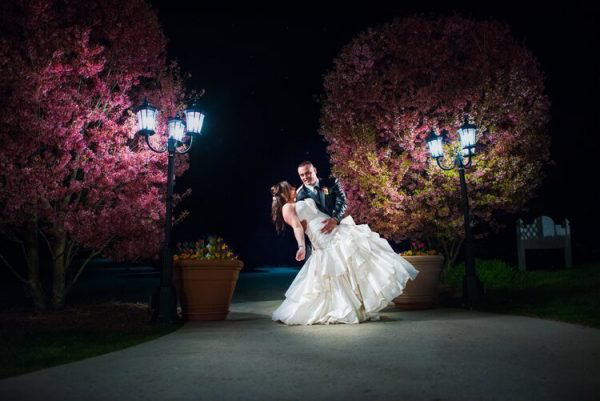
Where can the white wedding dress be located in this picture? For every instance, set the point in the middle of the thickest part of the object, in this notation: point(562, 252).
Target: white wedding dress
point(350, 276)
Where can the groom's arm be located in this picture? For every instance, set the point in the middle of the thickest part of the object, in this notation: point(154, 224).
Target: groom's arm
point(341, 202)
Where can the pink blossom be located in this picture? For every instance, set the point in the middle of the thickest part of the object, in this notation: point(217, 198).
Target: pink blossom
point(391, 85)
point(71, 73)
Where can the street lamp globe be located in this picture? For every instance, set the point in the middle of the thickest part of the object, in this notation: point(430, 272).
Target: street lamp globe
point(194, 120)
point(176, 127)
point(435, 144)
point(146, 117)
point(468, 138)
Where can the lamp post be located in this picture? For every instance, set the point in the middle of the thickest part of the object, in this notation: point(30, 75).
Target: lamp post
point(472, 286)
point(178, 131)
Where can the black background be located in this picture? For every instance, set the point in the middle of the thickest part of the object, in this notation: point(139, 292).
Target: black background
point(263, 73)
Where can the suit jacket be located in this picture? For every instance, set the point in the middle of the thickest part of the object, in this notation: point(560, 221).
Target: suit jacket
point(331, 199)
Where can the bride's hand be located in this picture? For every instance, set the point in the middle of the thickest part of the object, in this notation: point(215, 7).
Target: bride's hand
point(300, 255)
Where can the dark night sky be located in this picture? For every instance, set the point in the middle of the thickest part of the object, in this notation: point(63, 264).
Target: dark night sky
point(263, 72)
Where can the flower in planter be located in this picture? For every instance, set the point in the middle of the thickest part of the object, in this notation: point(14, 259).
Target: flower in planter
point(418, 248)
point(207, 248)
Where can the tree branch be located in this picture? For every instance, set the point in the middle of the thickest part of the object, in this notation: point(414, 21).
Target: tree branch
point(48, 243)
point(72, 254)
point(7, 263)
point(456, 249)
point(67, 253)
point(11, 237)
point(84, 264)
point(8, 235)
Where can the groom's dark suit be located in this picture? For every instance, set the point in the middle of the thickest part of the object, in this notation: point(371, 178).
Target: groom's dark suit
point(329, 198)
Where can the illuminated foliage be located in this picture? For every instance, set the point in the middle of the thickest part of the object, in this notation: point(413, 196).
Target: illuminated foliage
point(391, 85)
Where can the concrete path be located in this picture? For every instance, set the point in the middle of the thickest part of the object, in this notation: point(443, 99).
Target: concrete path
point(439, 354)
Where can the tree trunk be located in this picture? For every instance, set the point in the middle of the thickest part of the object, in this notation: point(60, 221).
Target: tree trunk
point(450, 250)
point(59, 269)
point(32, 259)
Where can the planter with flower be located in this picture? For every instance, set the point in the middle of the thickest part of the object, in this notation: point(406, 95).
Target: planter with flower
point(422, 292)
point(206, 273)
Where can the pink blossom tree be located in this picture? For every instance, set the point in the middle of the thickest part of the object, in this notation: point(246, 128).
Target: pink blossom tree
point(392, 85)
point(72, 173)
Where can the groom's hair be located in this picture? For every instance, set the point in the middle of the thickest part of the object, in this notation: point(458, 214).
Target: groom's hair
point(305, 163)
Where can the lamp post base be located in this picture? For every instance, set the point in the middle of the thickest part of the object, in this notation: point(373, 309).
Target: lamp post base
point(164, 307)
point(472, 291)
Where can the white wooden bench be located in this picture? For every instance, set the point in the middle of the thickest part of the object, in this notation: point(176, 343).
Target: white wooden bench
point(543, 234)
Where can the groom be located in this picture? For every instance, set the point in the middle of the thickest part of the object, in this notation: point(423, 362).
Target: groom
point(327, 194)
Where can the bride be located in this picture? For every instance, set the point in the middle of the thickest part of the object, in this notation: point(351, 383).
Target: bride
point(351, 274)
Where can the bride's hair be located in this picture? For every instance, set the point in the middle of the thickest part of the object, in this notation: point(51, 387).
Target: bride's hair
point(280, 193)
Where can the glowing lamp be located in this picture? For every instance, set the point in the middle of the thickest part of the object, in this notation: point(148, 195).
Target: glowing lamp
point(146, 116)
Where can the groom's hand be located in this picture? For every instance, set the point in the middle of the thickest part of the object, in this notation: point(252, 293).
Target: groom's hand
point(330, 224)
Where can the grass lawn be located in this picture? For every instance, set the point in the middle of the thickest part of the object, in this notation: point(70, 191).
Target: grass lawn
point(570, 295)
point(31, 341)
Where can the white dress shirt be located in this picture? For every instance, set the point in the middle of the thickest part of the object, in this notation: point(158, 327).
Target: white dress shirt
point(312, 187)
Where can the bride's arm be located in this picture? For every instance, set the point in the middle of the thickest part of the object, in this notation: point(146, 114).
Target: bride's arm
point(291, 218)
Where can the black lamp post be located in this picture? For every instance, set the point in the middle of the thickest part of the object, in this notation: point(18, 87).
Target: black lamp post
point(178, 131)
point(472, 286)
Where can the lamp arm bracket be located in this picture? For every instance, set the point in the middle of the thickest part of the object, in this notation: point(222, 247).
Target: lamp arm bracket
point(187, 149)
point(441, 165)
point(469, 162)
point(163, 150)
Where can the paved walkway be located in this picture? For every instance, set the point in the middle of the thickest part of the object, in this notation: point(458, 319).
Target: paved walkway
point(438, 354)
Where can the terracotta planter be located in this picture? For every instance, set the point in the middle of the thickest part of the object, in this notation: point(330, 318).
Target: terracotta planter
point(421, 293)
point(206, 287)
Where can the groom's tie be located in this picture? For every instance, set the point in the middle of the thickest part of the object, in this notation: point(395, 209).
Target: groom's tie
point(320, 195)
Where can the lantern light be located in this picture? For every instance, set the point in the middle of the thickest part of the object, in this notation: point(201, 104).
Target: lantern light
point(146, 117)
point(176, 127)
point(468, 138)
point(435, 144)
point(194, 120)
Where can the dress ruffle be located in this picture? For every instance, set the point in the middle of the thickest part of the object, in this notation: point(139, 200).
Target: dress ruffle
point(349, 280)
